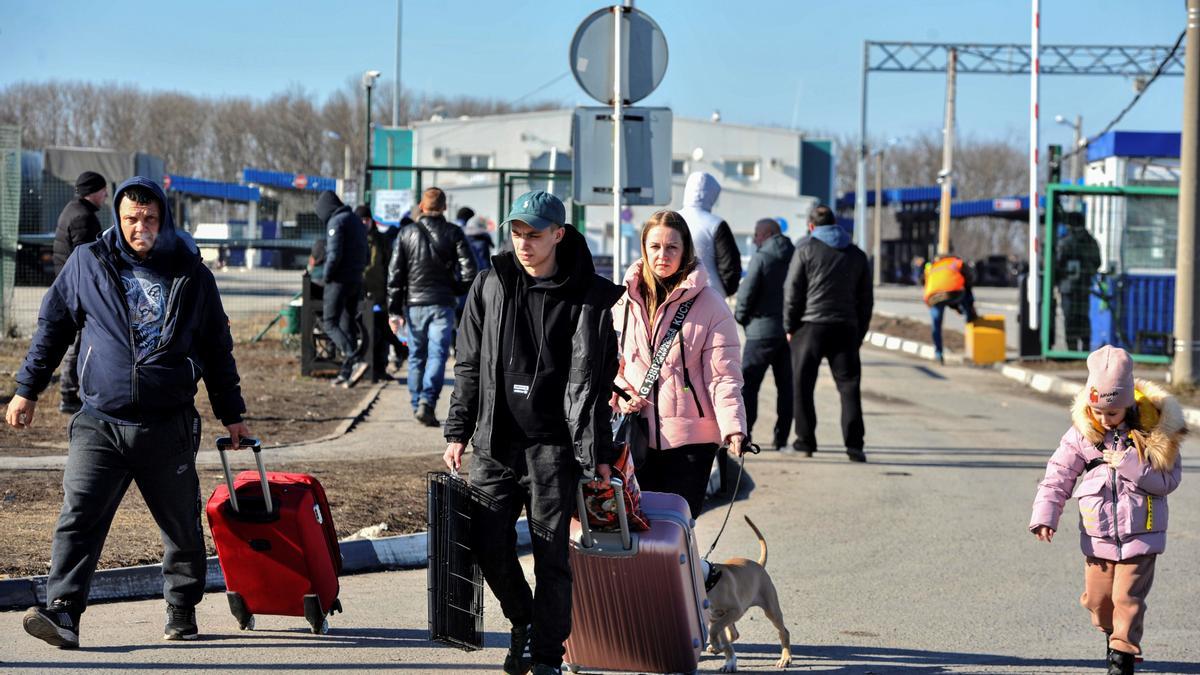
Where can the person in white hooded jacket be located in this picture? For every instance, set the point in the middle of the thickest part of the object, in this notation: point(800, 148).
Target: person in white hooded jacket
point(715, 245)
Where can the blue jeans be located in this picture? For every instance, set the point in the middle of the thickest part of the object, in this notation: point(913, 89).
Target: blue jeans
point(430, 328)
point(963, 304)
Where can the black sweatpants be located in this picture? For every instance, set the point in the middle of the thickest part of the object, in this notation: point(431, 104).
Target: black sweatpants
point(542, 479)
point(682, 471)
point(103, 459)
point(757, 356)
point(839, 343)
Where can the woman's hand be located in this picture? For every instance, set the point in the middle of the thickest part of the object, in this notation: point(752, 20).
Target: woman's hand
point(633, 405)
point(734, 441)
point(1044, 533)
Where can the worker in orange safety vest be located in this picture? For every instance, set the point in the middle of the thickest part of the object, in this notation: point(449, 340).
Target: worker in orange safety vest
point(947, 284)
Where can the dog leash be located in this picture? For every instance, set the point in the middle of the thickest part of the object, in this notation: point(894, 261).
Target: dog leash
point(753, 449)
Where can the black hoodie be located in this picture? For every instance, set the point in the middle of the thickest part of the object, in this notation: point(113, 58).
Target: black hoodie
point(346, 250)
point(532, 376)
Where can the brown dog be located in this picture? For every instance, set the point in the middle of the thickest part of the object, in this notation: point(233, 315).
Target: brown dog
point(743, 584)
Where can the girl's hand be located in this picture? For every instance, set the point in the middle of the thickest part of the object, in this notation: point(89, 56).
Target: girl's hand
point(633, 405)
point(734, 441)
point(1044, 533)
point(1114, 457)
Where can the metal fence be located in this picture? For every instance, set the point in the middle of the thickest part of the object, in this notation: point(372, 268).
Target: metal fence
point(10, 200)
point(1114, 282)
point(258, 268)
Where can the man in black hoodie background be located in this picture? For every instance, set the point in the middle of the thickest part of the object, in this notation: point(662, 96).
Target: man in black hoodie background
point(346, 257)
point(536, 359)
point(77, 225)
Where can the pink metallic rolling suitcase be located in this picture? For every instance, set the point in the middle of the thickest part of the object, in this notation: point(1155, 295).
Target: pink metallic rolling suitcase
point(638, 601)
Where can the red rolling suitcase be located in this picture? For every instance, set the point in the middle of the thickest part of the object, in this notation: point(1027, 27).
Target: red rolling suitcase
point(276, 543)
point(638, 602)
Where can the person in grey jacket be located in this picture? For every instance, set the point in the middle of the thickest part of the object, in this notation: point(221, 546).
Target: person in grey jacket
point(760, 310)
point(346, 257)
point(827, 303)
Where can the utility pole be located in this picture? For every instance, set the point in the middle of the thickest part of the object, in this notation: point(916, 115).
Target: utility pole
point(1077, 148)
point(396, 92)
point(1183, 368)
point(877, 227)
point(946, 177)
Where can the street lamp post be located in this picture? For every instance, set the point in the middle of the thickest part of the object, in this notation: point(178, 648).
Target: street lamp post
point(368, 80)
point(1076, 145)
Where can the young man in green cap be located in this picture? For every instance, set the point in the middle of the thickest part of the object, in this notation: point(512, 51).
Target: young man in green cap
point(537, 355)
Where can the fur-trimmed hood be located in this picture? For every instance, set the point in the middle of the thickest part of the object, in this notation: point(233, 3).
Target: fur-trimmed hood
point(1161, 426)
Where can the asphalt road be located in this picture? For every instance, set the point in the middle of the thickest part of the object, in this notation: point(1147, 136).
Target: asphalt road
point(916, 562)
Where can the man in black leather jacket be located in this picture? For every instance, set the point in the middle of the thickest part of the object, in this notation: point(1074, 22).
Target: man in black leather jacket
point(827, 302)
point(431, 266)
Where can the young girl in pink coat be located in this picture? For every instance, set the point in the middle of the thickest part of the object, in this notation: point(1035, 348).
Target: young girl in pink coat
point(695, 404)
point(1124, 442)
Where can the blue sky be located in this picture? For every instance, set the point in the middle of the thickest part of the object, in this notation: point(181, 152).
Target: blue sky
point(777, 62)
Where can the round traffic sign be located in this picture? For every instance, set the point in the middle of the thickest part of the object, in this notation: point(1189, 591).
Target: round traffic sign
point(643, 55)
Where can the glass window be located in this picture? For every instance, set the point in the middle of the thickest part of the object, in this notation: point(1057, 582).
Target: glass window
point(679, 167)
point(471, 161)
point(744, 169)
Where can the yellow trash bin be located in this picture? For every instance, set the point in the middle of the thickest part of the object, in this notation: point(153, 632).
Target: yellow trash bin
point(985, 339)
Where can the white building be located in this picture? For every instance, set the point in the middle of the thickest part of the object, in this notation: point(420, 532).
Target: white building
point(759, 168)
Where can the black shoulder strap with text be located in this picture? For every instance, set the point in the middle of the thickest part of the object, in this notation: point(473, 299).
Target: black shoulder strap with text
point(660, 354)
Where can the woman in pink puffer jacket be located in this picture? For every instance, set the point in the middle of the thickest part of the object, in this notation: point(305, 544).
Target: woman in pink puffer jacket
point(1124, 442)
point(695, 404)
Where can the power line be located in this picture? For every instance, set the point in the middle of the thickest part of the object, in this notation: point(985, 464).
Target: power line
point(1137, 97)
point(543, 87)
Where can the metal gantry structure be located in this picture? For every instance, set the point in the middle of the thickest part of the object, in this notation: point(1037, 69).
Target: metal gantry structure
point(1137, 61)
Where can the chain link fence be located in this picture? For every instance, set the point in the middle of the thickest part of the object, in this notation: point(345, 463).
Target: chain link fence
point(10, 207)
point(1109, 262)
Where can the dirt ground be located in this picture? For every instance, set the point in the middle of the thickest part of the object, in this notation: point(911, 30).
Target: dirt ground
point(361, 494)
point(281, 405)
point(918, 331)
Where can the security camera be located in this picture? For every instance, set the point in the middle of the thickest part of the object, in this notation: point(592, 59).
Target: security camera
point(369, 77)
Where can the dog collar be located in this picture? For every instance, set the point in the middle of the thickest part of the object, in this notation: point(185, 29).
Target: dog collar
point(713, 576)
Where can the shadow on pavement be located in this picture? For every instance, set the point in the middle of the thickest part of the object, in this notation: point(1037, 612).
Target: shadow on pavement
point(836, 660)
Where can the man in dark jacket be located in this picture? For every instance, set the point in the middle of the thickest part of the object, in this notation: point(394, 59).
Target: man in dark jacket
point(346, 254)
point(715, 246)
point(77, 225)
point(152, 326)
point(537, 355)
point(827, 302)
point(760, 309)
point(431, 266)
point(1076, 260)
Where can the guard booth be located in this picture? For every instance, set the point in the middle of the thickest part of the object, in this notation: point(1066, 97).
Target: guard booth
point(1130, 208)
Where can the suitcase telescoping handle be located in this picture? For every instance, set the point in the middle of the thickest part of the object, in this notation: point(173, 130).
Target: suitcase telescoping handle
point(223, 444)
point(622, 518)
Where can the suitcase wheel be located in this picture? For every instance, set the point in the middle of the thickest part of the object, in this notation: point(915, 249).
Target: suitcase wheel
point(573, 667)
point(314, 615)
point(237, 607)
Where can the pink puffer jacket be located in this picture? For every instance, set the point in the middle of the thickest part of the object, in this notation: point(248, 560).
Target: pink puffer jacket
point(709, 357)
point(1122, 510)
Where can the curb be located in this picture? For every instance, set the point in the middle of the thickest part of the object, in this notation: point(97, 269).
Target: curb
point(355, 416)
point(1038, 381)
point(359, 556)
point(918, 349)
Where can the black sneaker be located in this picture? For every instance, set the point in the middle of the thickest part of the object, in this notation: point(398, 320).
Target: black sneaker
point(425, 415)
point(56, 624)
point(543, 669)
point(518, 659)
point(181, 623)
point(856, 454)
